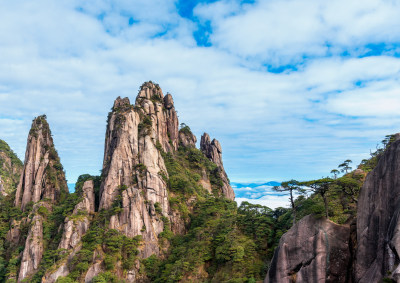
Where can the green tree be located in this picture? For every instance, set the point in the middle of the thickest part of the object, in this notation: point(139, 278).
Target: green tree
point(321, 187)
point(350, 186)
point(291, 187)
point(344, 167)
point(335, 173)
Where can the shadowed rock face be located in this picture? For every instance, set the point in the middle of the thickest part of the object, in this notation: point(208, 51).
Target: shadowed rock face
point(213, 151)
point(313, 250)
point(378, 222)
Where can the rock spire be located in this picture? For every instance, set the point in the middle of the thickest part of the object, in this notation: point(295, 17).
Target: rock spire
point(42, 176)
point(42, 184)
point(133, 166)
point(213, 151)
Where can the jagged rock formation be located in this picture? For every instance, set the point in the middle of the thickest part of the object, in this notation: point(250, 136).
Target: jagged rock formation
point(161, 111)
point(378, 224)
point(42, 176)
point(134, 170)
point(42, 180)
point(213, 150)
point(313, 250)
point(132, 167)
point(10, 169)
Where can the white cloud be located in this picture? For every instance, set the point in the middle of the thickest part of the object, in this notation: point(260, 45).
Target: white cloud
point(71, 64)
point(270, 201)
point(282, 32)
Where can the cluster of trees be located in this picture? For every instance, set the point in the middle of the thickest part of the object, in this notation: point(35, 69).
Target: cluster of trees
point(224, 243)
point(344, 187)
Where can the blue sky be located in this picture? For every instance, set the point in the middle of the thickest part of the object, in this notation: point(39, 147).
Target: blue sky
point(290, 88)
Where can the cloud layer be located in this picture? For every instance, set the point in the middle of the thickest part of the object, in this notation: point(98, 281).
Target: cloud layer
point(290, 88)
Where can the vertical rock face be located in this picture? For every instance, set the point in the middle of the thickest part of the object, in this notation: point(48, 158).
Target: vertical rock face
point(133, 166)
point(42, 176)
point(212, 149)
point(172, 120)
point(33, 250)
point(43, 183)
point(314, 250)
point(378, 224)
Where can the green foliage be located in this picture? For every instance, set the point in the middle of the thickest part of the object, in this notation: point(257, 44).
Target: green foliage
point(65, 280)
point(158, 208)
point(115, 246)
point(10, 166)
point(156, 98)
point(43, 211)
point(106, 277)
point(4, 147)
point(185, 129)
point(145, 125)
point(213, 240)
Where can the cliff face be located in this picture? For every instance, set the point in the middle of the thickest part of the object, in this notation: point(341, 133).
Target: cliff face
point(42, 184)
point(133, 168)
point(213, 150)
point(10, 169)
point(313, 250)
point(42, 176)
point(378, 237)
point(33, 250)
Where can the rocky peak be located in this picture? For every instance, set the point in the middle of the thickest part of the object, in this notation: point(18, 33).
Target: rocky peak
point(120, 103)
point(42, 176)
point(133, 168)
point(168, 101)
point(158, 113)
point(213, 151)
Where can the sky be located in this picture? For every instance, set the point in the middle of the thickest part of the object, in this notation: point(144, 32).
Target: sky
point(291, 88)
